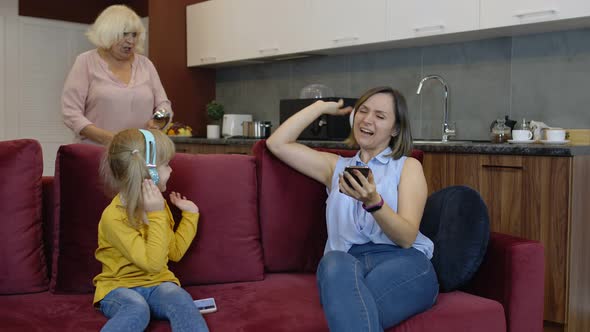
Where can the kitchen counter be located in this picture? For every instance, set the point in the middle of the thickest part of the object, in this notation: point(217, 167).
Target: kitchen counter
point(533, 149)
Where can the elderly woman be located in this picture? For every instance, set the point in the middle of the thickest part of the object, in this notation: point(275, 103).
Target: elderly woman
point(112, 87)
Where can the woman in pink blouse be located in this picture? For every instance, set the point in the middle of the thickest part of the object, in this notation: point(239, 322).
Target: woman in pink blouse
point(112, 87)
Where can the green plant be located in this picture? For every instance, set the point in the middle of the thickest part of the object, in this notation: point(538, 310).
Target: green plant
point(215, 111)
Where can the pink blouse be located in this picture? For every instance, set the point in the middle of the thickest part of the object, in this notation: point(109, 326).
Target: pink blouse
point(92, 94)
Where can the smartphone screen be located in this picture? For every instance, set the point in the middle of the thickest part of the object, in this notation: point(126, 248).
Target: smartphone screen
point(206, 305)
point(363, 169)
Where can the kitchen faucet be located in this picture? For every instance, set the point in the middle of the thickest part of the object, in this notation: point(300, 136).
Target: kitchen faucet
point(446, 130)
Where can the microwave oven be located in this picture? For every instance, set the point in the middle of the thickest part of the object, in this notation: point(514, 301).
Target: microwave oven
point(324, 128)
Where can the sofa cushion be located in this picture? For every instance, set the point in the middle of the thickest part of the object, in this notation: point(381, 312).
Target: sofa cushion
point(23, 267)
point(292, 212)
point(227, 246)
point(456, 220)
point(79, 201)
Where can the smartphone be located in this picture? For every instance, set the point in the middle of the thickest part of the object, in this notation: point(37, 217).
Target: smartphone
point(363, 169)
point(206, 306)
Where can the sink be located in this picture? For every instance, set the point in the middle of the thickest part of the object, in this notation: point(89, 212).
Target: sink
point(421, 141)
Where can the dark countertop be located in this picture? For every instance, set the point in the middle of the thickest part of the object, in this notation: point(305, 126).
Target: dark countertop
point(534, 149)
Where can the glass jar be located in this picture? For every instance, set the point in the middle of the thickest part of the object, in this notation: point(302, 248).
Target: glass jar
point(500, 132)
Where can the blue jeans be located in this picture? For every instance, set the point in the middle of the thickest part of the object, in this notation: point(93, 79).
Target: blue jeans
point(128, 309)
point(374, 286)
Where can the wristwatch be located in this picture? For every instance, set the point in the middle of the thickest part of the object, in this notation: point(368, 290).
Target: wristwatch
point(375, 207)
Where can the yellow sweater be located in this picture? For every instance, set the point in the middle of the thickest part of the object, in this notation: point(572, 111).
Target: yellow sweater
point(132, 257)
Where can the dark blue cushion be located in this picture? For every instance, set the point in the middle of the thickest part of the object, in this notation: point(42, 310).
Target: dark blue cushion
point(456, 220)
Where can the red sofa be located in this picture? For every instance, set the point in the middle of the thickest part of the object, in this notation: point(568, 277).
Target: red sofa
point(259, 240)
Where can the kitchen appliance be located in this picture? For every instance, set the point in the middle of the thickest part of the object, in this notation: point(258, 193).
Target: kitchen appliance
point(232, 124)
point(324, 128)
point(256, 129)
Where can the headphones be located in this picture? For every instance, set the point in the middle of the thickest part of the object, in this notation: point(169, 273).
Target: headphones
point(150, 155)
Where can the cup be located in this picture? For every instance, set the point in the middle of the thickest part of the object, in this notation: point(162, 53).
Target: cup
point(522, 135)
point(555, 135)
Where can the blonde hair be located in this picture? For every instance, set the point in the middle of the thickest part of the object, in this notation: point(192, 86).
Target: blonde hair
point(123, 167)
point(401, 143)
point(109, 26)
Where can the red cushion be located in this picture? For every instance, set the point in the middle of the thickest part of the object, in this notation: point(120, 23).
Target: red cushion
point(227, 246)
point(23, 268)
point(79, 201)
point(292, 212)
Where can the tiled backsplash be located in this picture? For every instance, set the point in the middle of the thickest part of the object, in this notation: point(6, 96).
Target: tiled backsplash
point(543, 77)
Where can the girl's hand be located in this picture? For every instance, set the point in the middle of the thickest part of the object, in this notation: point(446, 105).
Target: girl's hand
point(152, 197)
point(182, 203)
point(365, 191)
point(332, 107)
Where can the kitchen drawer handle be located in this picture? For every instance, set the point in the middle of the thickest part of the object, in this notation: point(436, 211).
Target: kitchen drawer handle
point(350, 39)
point(208, 59)
point(536, 14)
point(271, 50)
point(502, 166)
point(430, 28)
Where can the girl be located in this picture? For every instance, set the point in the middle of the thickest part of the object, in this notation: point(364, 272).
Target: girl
point(376, 268)
point(136, 238)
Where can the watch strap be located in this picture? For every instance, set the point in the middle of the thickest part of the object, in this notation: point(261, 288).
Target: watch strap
point(375, 207)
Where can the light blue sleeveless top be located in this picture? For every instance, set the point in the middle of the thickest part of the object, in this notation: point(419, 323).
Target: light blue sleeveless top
point(348, 223)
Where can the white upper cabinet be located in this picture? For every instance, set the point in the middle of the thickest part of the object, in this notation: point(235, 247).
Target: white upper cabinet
point(418, 18)
point(211, 33)
point(339, 23)
point(500, 13)
point(271, 27)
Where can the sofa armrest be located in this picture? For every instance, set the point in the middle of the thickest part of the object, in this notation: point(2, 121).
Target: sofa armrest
point(48, 202)
point(512, 273)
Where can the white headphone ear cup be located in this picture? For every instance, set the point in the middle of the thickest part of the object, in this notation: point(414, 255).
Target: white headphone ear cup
point(351, 118)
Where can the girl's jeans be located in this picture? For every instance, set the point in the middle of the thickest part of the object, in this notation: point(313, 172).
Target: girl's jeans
point(374, 286)
point(128, 309)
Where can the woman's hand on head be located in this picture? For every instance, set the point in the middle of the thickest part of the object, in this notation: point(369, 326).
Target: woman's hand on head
point(365, 191)
point(333, 107)
point(182, 203)
point(152, 197)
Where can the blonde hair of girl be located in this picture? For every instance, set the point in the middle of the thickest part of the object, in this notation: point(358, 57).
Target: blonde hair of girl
point(124, 168)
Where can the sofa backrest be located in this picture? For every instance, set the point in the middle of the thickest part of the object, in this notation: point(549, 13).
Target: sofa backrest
point(227, 247)
point(23, 268)
point(79, 199)
point(292, 212)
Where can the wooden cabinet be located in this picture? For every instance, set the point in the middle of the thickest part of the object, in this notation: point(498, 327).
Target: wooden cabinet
point(418, 18)
point(214, 148)
point(536, 197)
point(500, 13)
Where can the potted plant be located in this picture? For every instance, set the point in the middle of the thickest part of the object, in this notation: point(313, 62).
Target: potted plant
point(215, 113)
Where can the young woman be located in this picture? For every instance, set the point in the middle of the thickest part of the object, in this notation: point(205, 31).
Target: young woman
point(136, 238)
point(376, 268)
